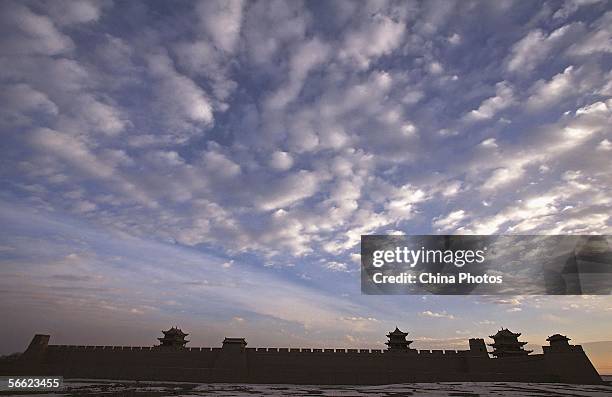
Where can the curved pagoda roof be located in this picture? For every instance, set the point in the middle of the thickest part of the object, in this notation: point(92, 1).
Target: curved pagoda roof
point(397, 332)
point(174, 331)
point(557, 337)
point(505, 333)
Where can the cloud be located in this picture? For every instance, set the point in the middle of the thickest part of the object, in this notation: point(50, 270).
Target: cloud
point(288, 190)
point(529, 52)
point(222, 21)
point(271, 25)
point(27, 33)
point(73, 151)
point(547, 93)
point(501, 177)
point(21, 101)
point(281, 161)
point(571, 6)
point(379, 35)
point(306, 57)
point(450, 221)
point(598, 40)
point(504, 97)
point(443, 314)
point(183, 102)
point(337, 266)
point(68, 12)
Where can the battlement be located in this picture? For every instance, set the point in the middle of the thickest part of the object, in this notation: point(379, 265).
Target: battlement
point(87, 348)
point(437, 353)
point(234, 362)
point(569, 348)
point(276, 350)
point(310, 351)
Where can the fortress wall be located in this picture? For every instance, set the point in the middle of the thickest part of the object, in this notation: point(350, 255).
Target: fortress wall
point(353, 366)
point(259, 361)
point(97, 361)
point(571, 364)
point(530, 368)
point(295, 365)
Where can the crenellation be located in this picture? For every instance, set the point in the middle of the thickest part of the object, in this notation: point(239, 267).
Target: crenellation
point(321, 365)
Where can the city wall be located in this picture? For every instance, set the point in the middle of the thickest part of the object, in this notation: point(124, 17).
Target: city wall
point(300, 366)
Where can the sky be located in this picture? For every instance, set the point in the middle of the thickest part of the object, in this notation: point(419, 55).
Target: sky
point(212, 165)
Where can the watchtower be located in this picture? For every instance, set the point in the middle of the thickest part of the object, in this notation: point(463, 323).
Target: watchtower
point(558, 343)
point(397, 341)
point(506, 344)
point(173, 338)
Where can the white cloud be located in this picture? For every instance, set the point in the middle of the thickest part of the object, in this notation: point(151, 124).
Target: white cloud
point(454, 39)
point(336, 266)
point(571, 6)
point(451, 189)
point(222, 21)
point(180, 98)
point(435, 68)
point(306, 57)
point(501, 177)
point(504, 97)
point(379, 36)
point(218, 165)
point(271, 25)
point(442, 314)
point(71, 150)
point(529, 52)
point(67, 12)
point(489, 143)
point(19, 100)
point(605, 145)
point(25, 32)
point(450, 221)
point(100, 116)
point(401, 203)
point(288, 190)
point(598, 40)
point(281, 161)
point(547, 93)
point(85, 162)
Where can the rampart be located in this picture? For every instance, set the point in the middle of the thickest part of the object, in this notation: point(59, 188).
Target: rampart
point(237, 363)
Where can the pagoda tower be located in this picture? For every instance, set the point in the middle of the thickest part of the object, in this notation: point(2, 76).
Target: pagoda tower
point(558, 342)
point(397, 341)
point(173, 338)
point(506, 344)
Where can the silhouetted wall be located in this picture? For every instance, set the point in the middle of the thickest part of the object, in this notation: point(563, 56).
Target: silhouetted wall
point(301, 366)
